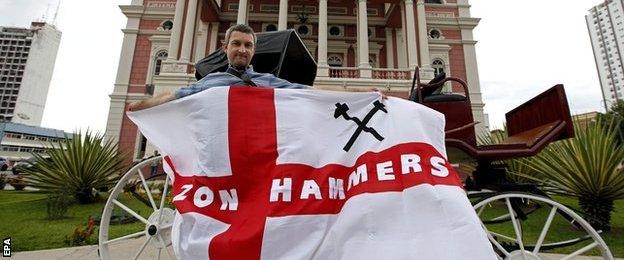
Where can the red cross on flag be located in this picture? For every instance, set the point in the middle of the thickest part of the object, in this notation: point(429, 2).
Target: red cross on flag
point(262, 173)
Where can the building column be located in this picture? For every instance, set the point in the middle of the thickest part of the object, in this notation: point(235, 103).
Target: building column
point(214, 33)
point(362, 41)
point(283, 15)
point(189, 29)
point(410, 34)
point(202, 40)
point(472, 72)
point(389, 49)
point(423, 37)
point(321, 58)
point(120, 90)
point(401, 49)
point(242, 12)
point(174, 40)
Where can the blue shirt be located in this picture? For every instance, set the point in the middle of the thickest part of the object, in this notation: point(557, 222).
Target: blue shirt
point(220, 79)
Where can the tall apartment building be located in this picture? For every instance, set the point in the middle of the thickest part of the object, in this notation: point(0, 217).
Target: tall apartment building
point(605, 23)
point(27, 57)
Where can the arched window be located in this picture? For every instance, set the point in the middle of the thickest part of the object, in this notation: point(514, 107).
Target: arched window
point(160, 56)
point(438, 67)
point(334, 61)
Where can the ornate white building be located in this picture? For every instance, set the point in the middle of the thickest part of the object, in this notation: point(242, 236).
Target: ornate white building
point(164, 38)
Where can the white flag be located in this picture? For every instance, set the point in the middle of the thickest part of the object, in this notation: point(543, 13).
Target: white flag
point(263, 173)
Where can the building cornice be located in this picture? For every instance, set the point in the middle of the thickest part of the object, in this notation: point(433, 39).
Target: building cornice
point(158, 13)
point(159, 33)
point(139, 11)
point(462, 22)
point(130, 31)
point(453, 5)
point(162, 39)
point(132, 11)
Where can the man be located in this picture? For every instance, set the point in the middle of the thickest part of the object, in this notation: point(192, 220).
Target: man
point(239, 46)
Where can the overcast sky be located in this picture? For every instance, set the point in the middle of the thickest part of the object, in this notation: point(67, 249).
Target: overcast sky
point(524, 47)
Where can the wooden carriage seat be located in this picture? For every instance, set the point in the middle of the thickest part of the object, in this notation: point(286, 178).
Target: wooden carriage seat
point(531, 126)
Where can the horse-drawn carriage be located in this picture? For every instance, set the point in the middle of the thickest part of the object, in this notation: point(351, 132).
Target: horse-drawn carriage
point(520, 220)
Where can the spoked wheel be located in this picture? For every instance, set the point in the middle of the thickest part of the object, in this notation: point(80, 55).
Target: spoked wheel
point(552, 228)
point(144, 201)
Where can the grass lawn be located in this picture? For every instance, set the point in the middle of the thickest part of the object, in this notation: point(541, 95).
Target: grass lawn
point(23, 218)
point(560, 229)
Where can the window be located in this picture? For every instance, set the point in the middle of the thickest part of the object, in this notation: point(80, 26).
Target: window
point(433, 2)
point(270, 28)
point(372, 61)
point(160, 56)
point(166, 25)
point(335, 30)
point(438, 67)
point(334, 60)
point(435, 34)
point(303, 30)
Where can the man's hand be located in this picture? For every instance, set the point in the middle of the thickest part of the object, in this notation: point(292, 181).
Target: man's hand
point(337, 88)
point(383, 96)
point(151, 102)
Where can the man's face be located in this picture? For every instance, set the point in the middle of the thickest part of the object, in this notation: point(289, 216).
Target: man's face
point(240, 49)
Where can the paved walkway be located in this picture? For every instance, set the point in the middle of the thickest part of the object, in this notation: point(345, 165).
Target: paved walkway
point(128, 249)
point(124, 250)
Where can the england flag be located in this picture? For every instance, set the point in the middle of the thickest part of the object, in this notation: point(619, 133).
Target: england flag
point(262, 173)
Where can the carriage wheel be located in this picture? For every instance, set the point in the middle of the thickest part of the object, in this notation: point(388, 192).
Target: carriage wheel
point(138, 199)
point(552, 228)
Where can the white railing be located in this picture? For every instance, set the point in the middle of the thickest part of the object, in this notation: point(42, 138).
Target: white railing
point(344, 72)
point(377, 73)
point(385, 73)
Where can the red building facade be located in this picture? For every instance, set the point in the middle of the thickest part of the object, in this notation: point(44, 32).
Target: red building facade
point(164, 38)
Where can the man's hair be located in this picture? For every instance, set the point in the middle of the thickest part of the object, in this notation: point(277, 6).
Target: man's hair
point(240, 28)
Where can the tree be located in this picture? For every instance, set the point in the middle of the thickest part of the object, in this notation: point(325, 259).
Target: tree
point(615, 118)
point(80, 166)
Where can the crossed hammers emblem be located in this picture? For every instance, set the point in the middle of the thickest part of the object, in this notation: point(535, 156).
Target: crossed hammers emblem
point(341, 110)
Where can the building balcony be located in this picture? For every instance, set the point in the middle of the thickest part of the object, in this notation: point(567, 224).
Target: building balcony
point(389, 78)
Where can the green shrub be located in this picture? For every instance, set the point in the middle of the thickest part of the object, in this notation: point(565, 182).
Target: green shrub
point(81, 166)
point(3, 181)
point(57, 205)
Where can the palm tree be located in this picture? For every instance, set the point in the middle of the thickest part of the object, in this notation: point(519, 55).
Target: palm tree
point(589, 167)
point(79, 166)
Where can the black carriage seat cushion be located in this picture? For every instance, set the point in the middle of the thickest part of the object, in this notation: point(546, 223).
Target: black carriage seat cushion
point(444, 98)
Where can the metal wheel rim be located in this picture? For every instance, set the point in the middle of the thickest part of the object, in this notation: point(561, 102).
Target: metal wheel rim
point(104, 242)
point(555, 207)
